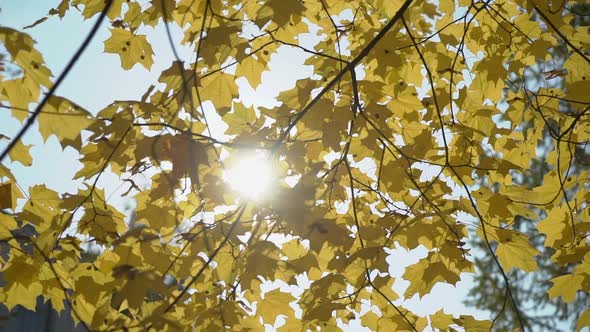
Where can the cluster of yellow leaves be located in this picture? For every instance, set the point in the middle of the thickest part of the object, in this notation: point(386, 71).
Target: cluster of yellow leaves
point(410, 88)
point(25, 88)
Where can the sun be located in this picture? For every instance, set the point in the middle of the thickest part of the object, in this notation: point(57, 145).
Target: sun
point(251, 175)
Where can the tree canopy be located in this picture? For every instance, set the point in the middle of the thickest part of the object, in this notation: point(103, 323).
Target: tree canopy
point(417, 128)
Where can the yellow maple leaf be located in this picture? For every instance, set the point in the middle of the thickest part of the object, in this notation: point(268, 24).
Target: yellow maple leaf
point(251, 69)
point(7, 223)
point(275, 303)
point(20, 152)
point(515, 251)
point(583, 320)
point(19, 294)
point(130, 47)
point(566, 286)
point(65, 120)
point(220, 89)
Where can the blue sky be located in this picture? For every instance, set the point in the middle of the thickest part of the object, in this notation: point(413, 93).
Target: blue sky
point(97, 80)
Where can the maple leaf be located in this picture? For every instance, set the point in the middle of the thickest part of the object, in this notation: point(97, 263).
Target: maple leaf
point(65, 120)
point(566, 286)
point(514, 250)
point(273, 304)
point(130, 47)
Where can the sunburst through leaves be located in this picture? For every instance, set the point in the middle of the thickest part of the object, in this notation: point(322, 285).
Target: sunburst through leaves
point(251, 175)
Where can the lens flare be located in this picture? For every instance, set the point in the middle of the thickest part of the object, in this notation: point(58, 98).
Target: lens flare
point(251, 176)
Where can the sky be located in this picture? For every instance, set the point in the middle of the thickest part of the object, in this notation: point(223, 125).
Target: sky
point(97, 80)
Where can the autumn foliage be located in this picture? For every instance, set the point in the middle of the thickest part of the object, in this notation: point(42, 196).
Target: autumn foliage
point(416, 128)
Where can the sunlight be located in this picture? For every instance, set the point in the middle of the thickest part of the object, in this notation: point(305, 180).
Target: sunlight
point(250, 175)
